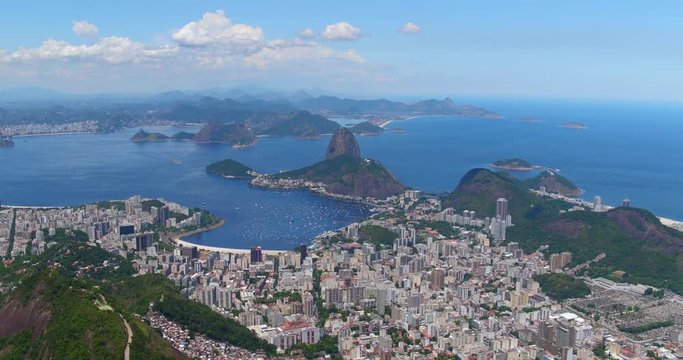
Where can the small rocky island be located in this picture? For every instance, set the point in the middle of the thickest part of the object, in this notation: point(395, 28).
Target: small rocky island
point(6, 142)
point(513, 165)
point(574, 125)
point(230, 168)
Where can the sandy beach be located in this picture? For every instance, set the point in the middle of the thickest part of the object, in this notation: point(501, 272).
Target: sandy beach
point(178, 240)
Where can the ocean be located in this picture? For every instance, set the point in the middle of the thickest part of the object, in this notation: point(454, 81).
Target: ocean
point(628, 150)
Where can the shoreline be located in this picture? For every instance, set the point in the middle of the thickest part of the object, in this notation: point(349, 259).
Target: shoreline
point(177, 240)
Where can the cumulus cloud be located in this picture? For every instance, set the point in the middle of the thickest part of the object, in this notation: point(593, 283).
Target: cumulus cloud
point(113, 50)
point(341, 31)
point(212, 44)
point(85, 29)
point(410, 28)
point(307, 33)
point(214, 29)
point(280, 50)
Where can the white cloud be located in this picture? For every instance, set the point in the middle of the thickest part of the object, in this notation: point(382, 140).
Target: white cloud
point(113, 50)
point(280, 50)
point(307, 33)
point(410, 28)
point(341, 31)
point(85, 29)
point(216, 30)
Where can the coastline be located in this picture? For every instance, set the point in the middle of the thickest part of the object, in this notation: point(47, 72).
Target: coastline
point(178, 240)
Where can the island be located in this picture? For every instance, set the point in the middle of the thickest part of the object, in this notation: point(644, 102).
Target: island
point(231, 169)
point(573, 125)
point(513, 165)
point(144, 136)
point(182, 136)
point(366, 128)
point(6, 142)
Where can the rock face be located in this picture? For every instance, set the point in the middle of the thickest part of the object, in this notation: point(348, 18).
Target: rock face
point(343, 143)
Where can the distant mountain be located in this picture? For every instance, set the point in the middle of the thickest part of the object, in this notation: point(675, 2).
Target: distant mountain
point(344, 172)
point(296, 123)
point(350, 107)
point(553, 183)
point(233, 134)
point(366, 128)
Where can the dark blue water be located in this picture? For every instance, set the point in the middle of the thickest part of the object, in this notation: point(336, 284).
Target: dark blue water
point(628, 150)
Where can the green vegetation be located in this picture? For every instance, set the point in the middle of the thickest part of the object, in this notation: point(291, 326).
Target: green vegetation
point(326, 346)
point(182, 136)
point(645, 327)
point(347, 175)
point(553, 183)
point(230, 168)
point(562, 286)
point(136, 293)
point(442, 227)
point(142, 135)
point(200, 318)
point(512, 164)
point(118, 205)
point(379, 236)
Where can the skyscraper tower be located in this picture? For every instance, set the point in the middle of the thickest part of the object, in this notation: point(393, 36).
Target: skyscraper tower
point(502, 208)
point(597, 203)
point(256, 255)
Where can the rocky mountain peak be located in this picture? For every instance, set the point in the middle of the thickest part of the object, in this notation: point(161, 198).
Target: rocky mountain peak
point(343, 142)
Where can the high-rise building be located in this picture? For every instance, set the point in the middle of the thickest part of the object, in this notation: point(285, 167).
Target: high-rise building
point(142, 241)
point(597, 203)
point(303, 252)
point(256, 255)
point(502, 208)
point(162, 215)
point(437, 279)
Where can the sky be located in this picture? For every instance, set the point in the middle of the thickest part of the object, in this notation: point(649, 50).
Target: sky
point(590, 49)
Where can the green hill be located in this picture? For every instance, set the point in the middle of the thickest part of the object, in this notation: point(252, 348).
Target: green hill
point(634, 240)
point(229, 168)
point(479, 189)
point(296, 123)
point(348, 175)
point(553, 183)
point(142, 135)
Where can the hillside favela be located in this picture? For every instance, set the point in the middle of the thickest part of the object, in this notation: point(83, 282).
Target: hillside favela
point(384, 180)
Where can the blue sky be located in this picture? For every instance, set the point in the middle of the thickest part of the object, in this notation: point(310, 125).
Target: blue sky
point(574, 49)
